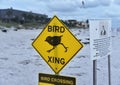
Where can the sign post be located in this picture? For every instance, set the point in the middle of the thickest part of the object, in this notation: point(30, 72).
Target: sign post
point(100, 44)
point(109, 70)
point(94, 72)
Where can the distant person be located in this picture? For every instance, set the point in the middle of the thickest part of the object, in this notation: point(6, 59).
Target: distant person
point(83, 4)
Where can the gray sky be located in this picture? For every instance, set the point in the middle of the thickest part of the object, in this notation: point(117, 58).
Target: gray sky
point(69, 9)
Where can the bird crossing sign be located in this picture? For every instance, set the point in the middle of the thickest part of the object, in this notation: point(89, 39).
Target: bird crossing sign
point(48, 79)
point(56, 44)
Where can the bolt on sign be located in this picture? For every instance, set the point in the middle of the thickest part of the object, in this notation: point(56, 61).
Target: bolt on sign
point(56, 44)
point(47, 79)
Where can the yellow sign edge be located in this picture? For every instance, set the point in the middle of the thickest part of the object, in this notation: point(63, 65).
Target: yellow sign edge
point(69, 32)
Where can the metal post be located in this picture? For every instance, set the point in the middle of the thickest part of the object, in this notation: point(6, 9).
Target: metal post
point(94, 72)
point(109, 70)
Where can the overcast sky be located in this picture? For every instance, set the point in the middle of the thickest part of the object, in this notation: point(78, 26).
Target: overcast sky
point(69, 9)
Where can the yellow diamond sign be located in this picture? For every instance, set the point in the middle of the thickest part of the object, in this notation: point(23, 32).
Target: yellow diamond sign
point(56, 44)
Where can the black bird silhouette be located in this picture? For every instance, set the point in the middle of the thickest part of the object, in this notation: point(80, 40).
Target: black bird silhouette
point(54, 41)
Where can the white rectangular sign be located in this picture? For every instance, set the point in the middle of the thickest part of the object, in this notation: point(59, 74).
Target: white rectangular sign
point(100, 38)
